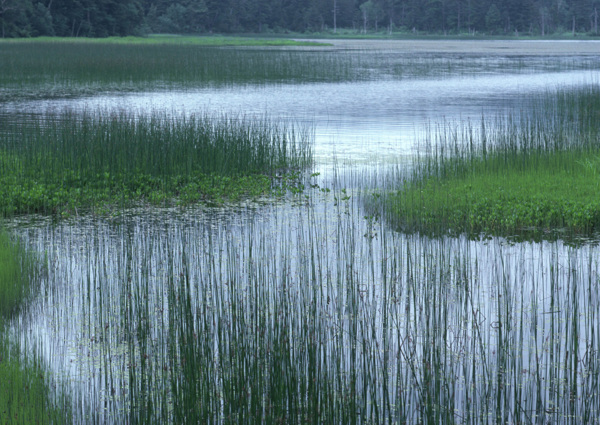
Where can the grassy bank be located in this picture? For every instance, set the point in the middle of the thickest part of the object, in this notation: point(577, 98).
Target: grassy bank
point(50, 68)
point(537, 174)
point(64, 162)
point(25, 395)
point(173, 39)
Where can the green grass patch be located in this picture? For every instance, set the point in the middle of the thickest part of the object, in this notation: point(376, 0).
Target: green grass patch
point(16, 269)
point(24, 390)
point(536, 175)
point(540, 199)
point(47, 68)
point(173, 39)
point(61, 163)
point(25, 395)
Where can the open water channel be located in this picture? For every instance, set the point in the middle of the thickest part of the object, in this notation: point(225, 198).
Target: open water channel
point(481, 330)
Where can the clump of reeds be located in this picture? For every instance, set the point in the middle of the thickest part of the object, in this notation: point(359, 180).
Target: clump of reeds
point(70, 160)
point(16, 274)
point(312, 315)
point(56, 69)
point(529, 173)
point(25, 395)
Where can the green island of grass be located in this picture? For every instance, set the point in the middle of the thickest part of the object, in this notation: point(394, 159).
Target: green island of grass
point(508, 202)
point(536, 175)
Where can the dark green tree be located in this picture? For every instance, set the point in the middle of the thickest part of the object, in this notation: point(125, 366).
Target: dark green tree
point(184, 16)
point(13, 18)
point(493, 19)
point(40, 20)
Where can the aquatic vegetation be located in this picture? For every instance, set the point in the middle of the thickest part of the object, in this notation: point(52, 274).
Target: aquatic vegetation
point(25, 395)
point(48, 69)
point(16, 274)
point(173, 39)
point(535, 174)
point(63, 162)
point(51, 68)
point(311, 314)
point(313, 311)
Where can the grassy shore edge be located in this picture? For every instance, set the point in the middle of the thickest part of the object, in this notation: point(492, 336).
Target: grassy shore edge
point(529, 176)
point(24, 388)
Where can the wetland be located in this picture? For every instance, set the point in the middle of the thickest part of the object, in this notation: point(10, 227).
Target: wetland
point(366, 232)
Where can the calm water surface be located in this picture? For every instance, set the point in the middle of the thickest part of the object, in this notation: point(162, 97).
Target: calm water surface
point(76, 323)
point(365, 122)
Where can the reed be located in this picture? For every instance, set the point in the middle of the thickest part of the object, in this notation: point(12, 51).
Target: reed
point(300, 312)
point(61, 162)
point(25, 393)
point(16, 274)
point(310, 314)
point(58, 69)
point(174, 39)
point(534, 174)
point(39, 69)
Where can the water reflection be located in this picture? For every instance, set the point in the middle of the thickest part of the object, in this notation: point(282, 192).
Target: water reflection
point(498, 301)
point(503, 312)
point(362, 122)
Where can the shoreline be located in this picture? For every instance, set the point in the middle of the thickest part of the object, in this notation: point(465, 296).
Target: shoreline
point(473, 47)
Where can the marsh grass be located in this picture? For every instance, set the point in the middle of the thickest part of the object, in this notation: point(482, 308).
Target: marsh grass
point(16, 275)
point(58, 69)
point(310, 314)
point(25, 394)
point(55, 68)
point(26, 397)
point(61, 162)
point(300, 313)
point(174, 39)
point(535, 174)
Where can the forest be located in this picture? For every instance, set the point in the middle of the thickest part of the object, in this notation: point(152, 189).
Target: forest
point(102, 18)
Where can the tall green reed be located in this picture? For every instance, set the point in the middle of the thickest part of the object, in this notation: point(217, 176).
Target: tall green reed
point(70, 158)
point(17, 272)
point(26, 395)
point(312, 314)
point(531, 172)
point(47, 69)
point(41, 69)
point(156, 144)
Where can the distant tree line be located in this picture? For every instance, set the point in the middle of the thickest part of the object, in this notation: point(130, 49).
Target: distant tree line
point(100, 18)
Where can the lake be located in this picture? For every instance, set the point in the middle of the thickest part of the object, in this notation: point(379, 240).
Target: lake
point(311, 308)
